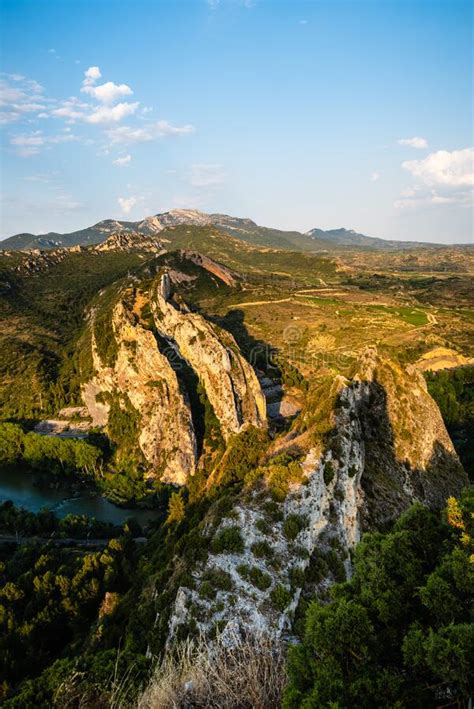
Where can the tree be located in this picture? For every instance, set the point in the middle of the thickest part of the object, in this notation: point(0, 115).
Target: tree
point(175, 508)
point(399, 633)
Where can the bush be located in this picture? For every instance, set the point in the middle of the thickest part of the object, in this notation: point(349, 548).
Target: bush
point(262, 526)
point(228, 540)
point(293, 525)
point(280, 475)
point(206, 590)
point(272, 509)
point(242, 455)
point(262, 550)
point(256, 576)
point(328, 473)
point(175, 509)
point(281, 598)
point(219, 579)
point(297, 577)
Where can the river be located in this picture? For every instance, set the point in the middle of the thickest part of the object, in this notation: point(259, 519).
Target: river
point(19, 487)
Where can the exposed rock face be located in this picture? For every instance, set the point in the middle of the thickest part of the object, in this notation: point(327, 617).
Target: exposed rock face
point(409, 454)
point(230, 382)
point(367, 473)
point(217, 269)
point(145, 376)
point(130, 241)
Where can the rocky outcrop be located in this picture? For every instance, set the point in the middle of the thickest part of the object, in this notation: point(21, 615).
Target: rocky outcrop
point(231, 384)
point(130, 241)
point(363, 475)
point(409, 454)
point(144, 375)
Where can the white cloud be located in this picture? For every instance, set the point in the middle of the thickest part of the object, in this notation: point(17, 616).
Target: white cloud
point(128, 203)
point(91, 75)
point(375, 176)
point(28, 144)
point(108, 92)
point(418, 198)
point(72, 109)
point(455, 168)
point(125, 160)
point(207, 175)
point(415, 142)
point(23, 101)
point(20, 97)
point(150, 131)
point(111, 114)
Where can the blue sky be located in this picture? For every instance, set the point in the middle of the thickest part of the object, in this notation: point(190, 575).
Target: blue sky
point(295, 114)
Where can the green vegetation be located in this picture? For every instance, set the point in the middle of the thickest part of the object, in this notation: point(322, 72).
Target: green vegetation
point(328, 472)
point(453, 391)
point(49, 598)
point(16, 521)
point(260, 579)
point(400, 632)
point(228, 541)
point(281, 598)
point(42, 315)
point(242, 455)
point(54, 455)
point(175, 508)
point(293, 525)
point(262, 550)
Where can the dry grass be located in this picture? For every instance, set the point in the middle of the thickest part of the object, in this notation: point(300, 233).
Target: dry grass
point(250, 674)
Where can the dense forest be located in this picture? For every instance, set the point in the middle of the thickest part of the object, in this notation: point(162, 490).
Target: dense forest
point(399, 632)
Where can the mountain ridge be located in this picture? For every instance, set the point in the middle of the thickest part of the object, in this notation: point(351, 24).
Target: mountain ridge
point(244, 229)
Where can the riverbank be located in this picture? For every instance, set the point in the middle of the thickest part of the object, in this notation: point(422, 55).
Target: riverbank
point(35, 492)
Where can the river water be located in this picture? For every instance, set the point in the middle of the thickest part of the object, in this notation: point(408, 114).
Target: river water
point(18, 486)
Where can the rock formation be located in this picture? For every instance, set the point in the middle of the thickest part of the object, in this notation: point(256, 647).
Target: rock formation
point(143, 374)
point(231, 384)
point(363, 476)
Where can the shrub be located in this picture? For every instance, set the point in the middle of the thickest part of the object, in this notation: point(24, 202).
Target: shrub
point(219, 579)
point(293, 525)
point(206, 590)
point(262, 550)
point(328, 473)
point(297, 577)
point(228, 540)
point(262, 526)
point(281, 475)
point(281, 597)
point(272, 509)
point(175, 509)
point(256, 576)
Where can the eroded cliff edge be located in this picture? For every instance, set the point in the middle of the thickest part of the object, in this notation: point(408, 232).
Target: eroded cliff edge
point(357, 470)
point(152, 343)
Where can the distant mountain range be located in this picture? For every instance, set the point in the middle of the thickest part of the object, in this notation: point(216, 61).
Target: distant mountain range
point(244, 229)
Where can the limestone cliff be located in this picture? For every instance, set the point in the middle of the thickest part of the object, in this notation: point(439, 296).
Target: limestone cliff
point(144, 375)
point(231, 384)
point(360, 473)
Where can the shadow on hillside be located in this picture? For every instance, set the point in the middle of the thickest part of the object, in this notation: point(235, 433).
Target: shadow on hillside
point(259, 353)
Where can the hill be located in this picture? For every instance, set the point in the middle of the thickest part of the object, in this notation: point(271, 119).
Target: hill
point(240, 228)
